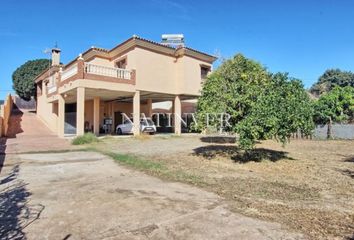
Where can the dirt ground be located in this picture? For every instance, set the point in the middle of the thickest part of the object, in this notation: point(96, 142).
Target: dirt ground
point(86, 195)
point(307, 185)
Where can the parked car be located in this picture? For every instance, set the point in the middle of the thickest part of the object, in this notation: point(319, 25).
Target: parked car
point(146, 126)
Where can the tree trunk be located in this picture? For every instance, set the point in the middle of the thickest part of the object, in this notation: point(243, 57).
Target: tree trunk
point(329, 129)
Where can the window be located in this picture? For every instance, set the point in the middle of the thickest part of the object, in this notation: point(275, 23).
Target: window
point(204, 71)
point(122, 63)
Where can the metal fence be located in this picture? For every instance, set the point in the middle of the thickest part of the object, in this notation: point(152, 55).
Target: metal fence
point(339, 131)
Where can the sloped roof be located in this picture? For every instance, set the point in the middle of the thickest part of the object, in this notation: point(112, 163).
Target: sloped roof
point(142, 42)
point(136, 41)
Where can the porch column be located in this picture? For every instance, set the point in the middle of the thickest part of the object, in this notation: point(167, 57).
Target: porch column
point(149, 106)
point(80, 111)
point(111, 115)
point(177, 109)
point(61, 115)
point(96, 115)
point(136, 113)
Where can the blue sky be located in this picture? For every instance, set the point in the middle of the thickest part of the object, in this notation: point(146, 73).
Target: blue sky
point(301, 37)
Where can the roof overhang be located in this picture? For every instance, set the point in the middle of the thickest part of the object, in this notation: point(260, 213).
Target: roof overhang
point(134, 42)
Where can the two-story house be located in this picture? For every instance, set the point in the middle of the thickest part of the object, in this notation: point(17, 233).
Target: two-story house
point(103, 83)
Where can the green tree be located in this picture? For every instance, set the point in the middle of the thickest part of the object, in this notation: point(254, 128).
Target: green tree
point(331, 78)
point(23, 77)
point(231, 89)
point(283, 108)
point(335, 106)
point(261, 105)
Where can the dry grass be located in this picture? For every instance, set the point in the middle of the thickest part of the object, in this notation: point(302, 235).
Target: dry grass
point(307, 186)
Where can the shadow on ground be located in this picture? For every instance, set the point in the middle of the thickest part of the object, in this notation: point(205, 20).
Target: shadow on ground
point(347, 172)
point(239, 156)
point(15, 211)
point(219, 139)
point(2, 152)
point(349, 159)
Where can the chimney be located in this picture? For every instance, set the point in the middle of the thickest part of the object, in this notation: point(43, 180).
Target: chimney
point(56, 56)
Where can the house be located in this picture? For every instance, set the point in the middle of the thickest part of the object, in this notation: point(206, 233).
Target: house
point(100, 84)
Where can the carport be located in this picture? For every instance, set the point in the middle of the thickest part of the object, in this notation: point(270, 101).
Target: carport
point(93, 107)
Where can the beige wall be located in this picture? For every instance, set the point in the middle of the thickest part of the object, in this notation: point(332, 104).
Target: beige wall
point(47, 112)
point(89, 112)
point(154, 72)
point(161, 73)
point(5, 113)
point(102, 62)
point(189, 76)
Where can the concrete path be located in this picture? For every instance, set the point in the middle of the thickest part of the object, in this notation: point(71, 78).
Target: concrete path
point(27, 133)
point(85, 195)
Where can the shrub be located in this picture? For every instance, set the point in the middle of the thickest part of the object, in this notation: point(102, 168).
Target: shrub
point(84, 139)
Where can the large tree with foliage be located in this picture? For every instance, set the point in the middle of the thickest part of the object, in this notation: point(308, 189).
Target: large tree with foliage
point(335, 106)
point(23, 77)
point(332, 78)
point(231, 89)
point(261, 105)
point(281, 109)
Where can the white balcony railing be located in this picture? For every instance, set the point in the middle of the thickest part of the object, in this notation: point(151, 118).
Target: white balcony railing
point(51, 89)
point(71, 71)
point(108, 71)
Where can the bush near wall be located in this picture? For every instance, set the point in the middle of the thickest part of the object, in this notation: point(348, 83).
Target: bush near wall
point(85, 139)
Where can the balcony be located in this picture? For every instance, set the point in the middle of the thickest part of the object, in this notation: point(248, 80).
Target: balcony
point(87, 75)
point(108, 71)
point(82, 70)
point(96, 76)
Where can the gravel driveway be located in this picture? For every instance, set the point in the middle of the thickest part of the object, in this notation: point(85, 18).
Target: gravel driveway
point(85, 195)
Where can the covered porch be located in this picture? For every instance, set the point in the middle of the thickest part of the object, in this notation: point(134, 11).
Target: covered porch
point(99, 111)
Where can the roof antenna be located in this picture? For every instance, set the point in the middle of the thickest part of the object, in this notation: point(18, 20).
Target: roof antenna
point(56, 44)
